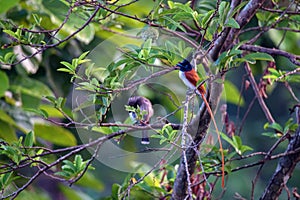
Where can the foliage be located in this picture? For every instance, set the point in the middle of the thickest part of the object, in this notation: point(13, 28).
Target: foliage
point(65, 65)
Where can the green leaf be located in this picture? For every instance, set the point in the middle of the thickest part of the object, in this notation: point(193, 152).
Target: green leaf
point(245, 148)
point(272, 135)
point(232, 23)
point(206, 18)
point(39, 112)
point(70, 193)
point(65, 70)
point(6, 118)
point(174, 23)
point(115, 190)
point(146, 48)
point(4, 83)
point(38, 194)
point(290, 126)
point(50, 111)
point(69, 67)
point(9, 57)
point(78, 162)
point(62, 174)
point(37, 19)
point(29, 139)
point(55, 134)
point(275, 72)
point(270, 76)
point(69, 169)
point(31, 87)
point(91, 181)
point(7, 132)
point(83, 55)
point(52, 99)
point(275, 126)
point(157, 136)
point(236, 142)
point(12, 152)
point(227, 139)
point(5, 180)
point(6, 5)
point(258, 56)
point(11, 33)
point(231, 94)
point(104, 130)
point(57, 11)
point(223, 10)
point(60, 102)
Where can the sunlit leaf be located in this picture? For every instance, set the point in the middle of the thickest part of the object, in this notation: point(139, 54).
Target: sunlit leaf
point(259, 56)
point(89, 180)
point(73, 194)
point(7, 119)
point(115, 190)
point(7, 132)
point(274, 125)
point(272, 134)
point(31, 87)
point(55, 134)
point(29, 139)
point(206, 18)
point(6, 5)
point(4, 83)
point(51, 111)
point(232, 23)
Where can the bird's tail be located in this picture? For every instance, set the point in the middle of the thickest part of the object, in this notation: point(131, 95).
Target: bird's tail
point(145, 137)
point(219, 137)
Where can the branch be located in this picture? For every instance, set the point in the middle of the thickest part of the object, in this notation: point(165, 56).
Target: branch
point(98, 141)
point(145, 79)
point(242, 19)
point(295, 59)
point(258, 95)
point(255, 163)
point(289, 12)
point(42, 48)
point(219, 42)
point(285, 168)
point(201, 122)
point(197, 127)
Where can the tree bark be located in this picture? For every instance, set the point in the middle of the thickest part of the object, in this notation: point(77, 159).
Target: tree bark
point(202, 120)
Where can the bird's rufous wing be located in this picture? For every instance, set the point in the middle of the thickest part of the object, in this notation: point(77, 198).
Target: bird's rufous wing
point(193, 77)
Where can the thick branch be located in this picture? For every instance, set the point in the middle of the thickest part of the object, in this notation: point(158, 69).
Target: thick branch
point(295, 59)
point(219, 42)
point(242, 19)
point(198, 127)
point(202, 120)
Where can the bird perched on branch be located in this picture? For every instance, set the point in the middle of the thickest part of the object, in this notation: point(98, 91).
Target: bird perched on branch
point(143, 104)
point(192, 80)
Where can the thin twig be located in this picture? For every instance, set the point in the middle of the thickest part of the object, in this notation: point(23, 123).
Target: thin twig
point(184, 144)
point(258, 96)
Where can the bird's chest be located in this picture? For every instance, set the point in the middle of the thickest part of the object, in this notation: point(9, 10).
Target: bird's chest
point(132, 116)
point(188, 83)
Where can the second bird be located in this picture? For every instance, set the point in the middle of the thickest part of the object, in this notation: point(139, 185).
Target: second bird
point(144, 104)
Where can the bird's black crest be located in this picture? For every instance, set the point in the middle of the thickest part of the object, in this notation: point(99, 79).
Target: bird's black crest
point(185, 65)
